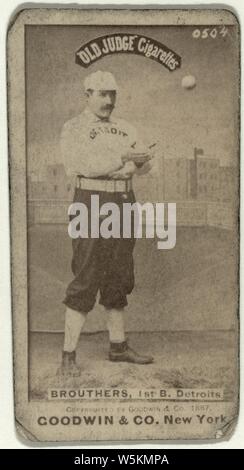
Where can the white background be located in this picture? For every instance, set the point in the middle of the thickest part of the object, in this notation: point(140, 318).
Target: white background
point(8, 438)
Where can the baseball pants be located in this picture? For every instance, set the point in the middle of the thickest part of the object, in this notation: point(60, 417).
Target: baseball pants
point(101, 265)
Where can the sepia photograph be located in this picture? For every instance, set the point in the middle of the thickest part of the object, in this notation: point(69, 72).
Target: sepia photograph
point(126, 266)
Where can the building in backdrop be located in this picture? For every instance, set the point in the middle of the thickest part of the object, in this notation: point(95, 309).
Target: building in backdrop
point(228, 184)
point(176, 179)
point(53, 184)
point(200, 179)
point(204, 177)
point(194, 184)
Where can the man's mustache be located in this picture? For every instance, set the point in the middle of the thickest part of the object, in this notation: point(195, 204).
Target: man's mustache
point(109, 107)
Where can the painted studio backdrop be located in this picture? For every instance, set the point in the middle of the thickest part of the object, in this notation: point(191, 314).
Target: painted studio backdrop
point(186, 288)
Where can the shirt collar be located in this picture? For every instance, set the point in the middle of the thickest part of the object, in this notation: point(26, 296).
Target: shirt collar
point(93, 118)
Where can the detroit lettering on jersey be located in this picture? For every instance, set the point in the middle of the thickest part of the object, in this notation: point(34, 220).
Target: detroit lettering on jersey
point(93, 147)
point(107, 130)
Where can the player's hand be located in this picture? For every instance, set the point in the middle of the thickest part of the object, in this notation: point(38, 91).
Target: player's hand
point(125, 172)
point(133, 155)
point(145, 168)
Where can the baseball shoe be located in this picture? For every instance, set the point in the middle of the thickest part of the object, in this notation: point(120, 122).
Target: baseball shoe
point(69, 368)
point(121, 352)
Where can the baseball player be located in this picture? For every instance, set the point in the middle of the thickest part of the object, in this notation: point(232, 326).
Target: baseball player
point(94, 146)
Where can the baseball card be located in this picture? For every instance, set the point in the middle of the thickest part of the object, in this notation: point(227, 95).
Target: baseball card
point(124, 189)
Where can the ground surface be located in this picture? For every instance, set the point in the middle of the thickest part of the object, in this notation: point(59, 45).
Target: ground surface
point(182, 359)
point(190, 287)
point(182, 310)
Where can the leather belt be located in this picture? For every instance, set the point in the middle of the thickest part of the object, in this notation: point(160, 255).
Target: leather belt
point(111, 186)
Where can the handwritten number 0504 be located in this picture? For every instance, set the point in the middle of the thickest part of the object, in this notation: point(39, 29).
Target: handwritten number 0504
point(209, 33)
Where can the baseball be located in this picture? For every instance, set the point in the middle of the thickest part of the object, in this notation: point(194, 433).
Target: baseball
point(188, 82)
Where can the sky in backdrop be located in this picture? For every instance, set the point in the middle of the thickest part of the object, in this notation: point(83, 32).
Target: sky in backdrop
point(150, 97)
